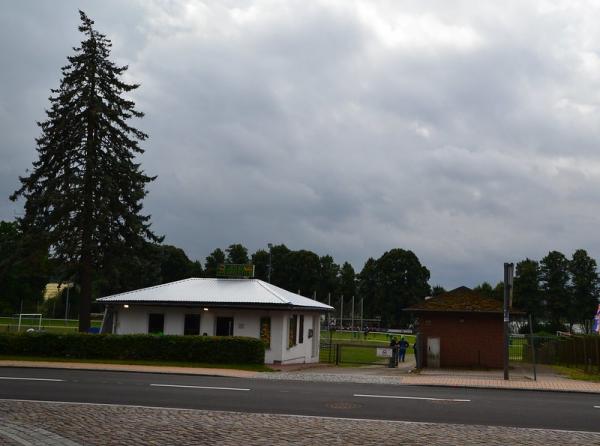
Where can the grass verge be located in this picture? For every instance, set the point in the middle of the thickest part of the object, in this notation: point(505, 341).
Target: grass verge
point(577, 374)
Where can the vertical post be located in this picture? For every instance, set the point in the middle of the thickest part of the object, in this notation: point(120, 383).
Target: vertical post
point(342, 312)
point(352, 318)
point(597, 354)
point(585, 359)
point(532, 342)
point(361, 313)
point(337, 354)
point(67, 306)
point(508, 271)
point(270, 245)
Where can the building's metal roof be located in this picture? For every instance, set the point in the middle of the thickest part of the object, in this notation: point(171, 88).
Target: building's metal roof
point(216, 291)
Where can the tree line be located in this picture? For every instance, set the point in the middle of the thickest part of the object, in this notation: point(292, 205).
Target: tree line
point(557, 291)
point(395, 280)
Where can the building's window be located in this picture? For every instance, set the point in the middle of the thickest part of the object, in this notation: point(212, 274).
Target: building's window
point(301, 330)
point(156, 323)
point(292, 331)
point(265, 331)
point(224, 326)
point(191, 325)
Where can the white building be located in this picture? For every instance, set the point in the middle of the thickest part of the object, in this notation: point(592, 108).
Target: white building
point(287, 322)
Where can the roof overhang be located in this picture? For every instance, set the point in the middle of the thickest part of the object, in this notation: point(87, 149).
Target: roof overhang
point(232, 305)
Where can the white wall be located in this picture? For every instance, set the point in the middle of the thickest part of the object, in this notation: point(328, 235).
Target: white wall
point(134, 320)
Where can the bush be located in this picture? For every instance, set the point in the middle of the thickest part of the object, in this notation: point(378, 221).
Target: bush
point(201, 349)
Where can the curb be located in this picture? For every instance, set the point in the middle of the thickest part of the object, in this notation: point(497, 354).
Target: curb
point(492, 387)
point(105, 369)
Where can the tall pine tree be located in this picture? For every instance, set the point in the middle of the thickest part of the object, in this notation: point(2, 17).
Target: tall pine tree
point(84, 193)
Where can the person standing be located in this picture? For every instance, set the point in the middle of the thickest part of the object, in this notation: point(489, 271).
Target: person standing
point(394, 357)
point(402, 346)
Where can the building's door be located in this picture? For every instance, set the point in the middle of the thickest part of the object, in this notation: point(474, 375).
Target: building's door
point(316, 325)
point(433, 352)
point(224, 326)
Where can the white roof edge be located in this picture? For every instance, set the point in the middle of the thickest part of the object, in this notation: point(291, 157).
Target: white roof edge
point(262, 284)
point(228, 292)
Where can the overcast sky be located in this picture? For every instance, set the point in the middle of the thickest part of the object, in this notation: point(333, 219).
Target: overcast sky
point(467, 132)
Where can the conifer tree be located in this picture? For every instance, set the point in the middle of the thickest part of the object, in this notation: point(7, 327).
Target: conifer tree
point(85, 190)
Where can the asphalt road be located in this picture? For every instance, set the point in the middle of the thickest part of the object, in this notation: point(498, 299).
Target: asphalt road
point(546, 410)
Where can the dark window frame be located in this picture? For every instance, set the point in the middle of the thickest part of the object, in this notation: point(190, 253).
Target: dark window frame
point(152, 325)
point(194, 329)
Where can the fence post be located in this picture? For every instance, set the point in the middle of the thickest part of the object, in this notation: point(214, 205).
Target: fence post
point(532, 348)
point(585, 361)
point(597, 354)
point(337, 354)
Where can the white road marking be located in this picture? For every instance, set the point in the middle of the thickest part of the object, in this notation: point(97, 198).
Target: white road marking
point(199, 387)
point(596, 407)
point(32, 379)
point(457, 400)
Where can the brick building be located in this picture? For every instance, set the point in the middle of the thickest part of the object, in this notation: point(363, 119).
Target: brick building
point(460, 328)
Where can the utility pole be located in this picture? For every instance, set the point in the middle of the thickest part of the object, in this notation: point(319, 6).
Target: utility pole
point(352, 323)
point(508, 280)
point(270, 245)
point(67, 305)
point(342, 312)
point(361, 313)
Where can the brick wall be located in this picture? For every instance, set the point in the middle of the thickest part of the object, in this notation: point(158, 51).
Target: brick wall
point(466, 339)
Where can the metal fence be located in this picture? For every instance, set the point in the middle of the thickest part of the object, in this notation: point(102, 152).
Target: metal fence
point(340, 353)
point(575, 351)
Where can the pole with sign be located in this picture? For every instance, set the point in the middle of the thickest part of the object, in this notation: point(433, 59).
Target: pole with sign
point(508, 280)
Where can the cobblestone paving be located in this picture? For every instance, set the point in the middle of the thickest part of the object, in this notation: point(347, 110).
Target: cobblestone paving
point(128, 425)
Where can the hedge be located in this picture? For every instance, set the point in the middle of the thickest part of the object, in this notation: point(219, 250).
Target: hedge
point(200, 349)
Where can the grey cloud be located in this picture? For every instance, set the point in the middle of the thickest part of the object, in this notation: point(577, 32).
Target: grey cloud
point(470, 137)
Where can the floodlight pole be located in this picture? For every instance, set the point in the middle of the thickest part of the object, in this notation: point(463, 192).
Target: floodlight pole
point(352, 323)
point(508, 276)
point(342, 313)
point(270, 245)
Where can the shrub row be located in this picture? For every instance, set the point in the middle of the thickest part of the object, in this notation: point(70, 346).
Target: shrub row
point(204, 349)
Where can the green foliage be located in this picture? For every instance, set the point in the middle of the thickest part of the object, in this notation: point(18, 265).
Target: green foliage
point(554, 277)
point(437, 290)
point(224, 350)
point(584, 287)
point(395, 281)
point(527, 295)
point(85, 190)
point(24, 270)
point(347, 286)
point(213, 260)
point(485, 289)
point(237, 254)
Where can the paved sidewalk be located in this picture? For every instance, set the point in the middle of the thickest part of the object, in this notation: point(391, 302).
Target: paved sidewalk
point(547, 380)
point(89, 424)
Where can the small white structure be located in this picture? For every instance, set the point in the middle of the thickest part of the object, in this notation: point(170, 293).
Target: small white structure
point(288, 323)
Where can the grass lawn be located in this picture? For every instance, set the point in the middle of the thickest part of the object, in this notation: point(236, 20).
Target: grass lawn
point(249, 367)
point(49, 325)
point(577, 374)
point(357, 351)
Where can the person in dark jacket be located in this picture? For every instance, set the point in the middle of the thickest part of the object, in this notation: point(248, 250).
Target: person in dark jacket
point(402, 346)
point(394, 357)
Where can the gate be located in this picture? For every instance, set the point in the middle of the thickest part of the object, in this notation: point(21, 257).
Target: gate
point(349, 353)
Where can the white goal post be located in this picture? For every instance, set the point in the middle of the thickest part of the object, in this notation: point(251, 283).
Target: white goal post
point(30, 316)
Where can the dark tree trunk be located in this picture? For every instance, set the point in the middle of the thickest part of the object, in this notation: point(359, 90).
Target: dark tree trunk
point(86, 294)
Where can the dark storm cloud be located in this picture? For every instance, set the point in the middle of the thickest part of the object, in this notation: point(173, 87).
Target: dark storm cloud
point(467, 133)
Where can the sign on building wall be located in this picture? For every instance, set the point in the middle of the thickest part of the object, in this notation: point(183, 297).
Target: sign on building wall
point(235, 270)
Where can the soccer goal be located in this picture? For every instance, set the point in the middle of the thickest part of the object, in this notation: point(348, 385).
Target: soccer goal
point(27, 321)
